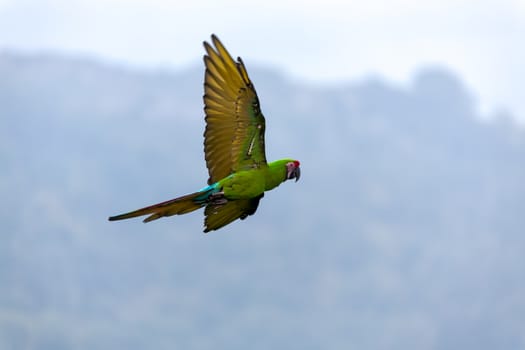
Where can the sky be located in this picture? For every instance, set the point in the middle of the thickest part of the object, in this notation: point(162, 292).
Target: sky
point(329, 41)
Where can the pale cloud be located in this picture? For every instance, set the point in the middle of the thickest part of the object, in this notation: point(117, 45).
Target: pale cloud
point(519, 5)
point(326, 41)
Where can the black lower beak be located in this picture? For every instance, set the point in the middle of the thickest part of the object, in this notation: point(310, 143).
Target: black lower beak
point(296, 173)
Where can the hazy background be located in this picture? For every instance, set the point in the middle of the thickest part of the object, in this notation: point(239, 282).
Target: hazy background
point(404, 232)
point(321, 41)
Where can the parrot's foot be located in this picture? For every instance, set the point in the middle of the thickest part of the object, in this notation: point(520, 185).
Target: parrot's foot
point(217, 198)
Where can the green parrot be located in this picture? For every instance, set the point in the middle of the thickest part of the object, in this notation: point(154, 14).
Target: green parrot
point(233, 147)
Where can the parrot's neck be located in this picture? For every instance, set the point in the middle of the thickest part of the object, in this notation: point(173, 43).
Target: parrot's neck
point(276, 173)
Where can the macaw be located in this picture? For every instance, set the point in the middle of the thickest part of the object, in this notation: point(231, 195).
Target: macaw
point(233, 147)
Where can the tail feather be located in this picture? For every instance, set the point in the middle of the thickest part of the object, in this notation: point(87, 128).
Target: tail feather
point(177, 206)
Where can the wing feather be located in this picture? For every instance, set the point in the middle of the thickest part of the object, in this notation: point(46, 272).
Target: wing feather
point(218, 216)
point(234, 135)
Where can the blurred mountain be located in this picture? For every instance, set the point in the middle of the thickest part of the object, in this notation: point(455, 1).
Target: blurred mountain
point(406, 230)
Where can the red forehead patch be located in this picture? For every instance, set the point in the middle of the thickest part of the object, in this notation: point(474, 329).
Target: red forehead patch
point(296, 163)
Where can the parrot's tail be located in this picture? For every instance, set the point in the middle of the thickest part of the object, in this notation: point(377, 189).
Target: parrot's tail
point(177, 206)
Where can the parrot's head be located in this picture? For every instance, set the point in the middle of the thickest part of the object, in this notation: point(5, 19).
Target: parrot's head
point(293, 171)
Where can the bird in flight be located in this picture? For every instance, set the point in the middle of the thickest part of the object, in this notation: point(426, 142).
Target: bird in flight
point(233, 148)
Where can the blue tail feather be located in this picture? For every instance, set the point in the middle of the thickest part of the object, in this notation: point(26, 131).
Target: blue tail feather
point(205, 192)
point(176, 206)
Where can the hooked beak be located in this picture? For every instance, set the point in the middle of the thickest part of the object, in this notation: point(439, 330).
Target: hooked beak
point(294, 173)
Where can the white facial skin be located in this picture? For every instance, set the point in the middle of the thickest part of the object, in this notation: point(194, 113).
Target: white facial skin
point(293, 171)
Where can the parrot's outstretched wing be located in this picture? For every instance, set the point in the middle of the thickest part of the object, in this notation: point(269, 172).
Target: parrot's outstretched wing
point(234, 135)
point(218, 216)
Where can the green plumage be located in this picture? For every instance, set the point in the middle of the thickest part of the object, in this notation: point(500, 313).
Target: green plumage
point(233, 149)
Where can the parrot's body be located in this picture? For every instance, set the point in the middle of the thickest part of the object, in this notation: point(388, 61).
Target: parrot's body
point(233, 147)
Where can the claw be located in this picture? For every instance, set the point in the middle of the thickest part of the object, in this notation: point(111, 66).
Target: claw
point(217, 198)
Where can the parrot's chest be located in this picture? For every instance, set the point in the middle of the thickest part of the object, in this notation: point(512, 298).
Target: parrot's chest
point(243, 185)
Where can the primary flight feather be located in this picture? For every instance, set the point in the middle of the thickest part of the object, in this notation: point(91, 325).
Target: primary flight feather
point(233, 148)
